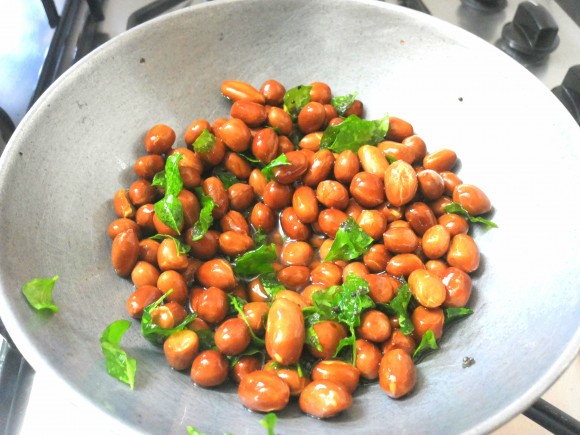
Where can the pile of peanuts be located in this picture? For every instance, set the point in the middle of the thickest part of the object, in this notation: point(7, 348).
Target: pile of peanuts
point(400, 205)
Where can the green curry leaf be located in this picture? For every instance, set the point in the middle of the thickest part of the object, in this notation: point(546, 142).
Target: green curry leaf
point(342, 104)
point(38, 293)
point(154, 333)
point(119, 364)
point(269, 422)
point(295, 99)
point(353, 133)
point(349, 243)
point(205, 220)
point(457, 208)
point(428, 343)
point(268, 170)
point(181, 248)
point(257, 261)
point(398, 306)
point(204, 143)
point(170, 211)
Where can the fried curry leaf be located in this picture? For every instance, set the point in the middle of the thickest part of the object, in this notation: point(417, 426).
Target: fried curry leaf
point(342, 104)
point(205, 220)
point(206, 340)
point(159, 179)
point(38, 293)
point(154, 333)
point(427, 344)
point(349, 243)
point(257, 261)
point(353, 133)
point(237, 304)
point(453, 314)
point(250, 159)
point(268, 170)
point(295, 99)
point(343, 304)
point(181, 248)
point(226, 177)
point(457, 208)
point(119, 364)
point(398, 306)
point(352, 300)
point(259, 237)
point(269, 422)
point(271, 284)
point(170, 211)
point(204, 143)
point(170, 179)
point(311, 338)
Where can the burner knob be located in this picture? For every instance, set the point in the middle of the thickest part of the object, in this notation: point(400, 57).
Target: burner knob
point(533, 34)
point(569, 92)
point(486, 5)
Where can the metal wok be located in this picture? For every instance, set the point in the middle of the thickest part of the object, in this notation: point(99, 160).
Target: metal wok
point(77, 145)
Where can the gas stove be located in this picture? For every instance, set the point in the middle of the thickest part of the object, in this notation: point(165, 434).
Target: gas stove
point(40, 39)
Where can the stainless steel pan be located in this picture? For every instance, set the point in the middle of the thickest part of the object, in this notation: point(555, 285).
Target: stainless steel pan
point(77, 145)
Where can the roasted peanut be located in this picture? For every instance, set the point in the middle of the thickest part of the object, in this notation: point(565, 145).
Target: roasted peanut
point(425, 319)
point(397, 150)
point(141, 299)
point(285, 332)
point(180, 349)
point(232, 337)
point(273, 92)
point(400, 183)
point(277, 195)
point(420, 217)
point(463, 253)
point(374, 326)
point(298, 165)
point(397, 373)
point(399, 129)
point(159, 139)
point(292, 226)
point(427, 288)
point(404, 264)
point(216, 273)
point(332, 194)
point(368, 358)
point(340, 372)
point(311, 118)
point(305, 204)
point(147, 166)
point(125, 252)
point(367, 189)
point(435, 241)
point(440, 160)
point(263, 391)
point(237, 90)
point(240, 196)
point(472, 198)
point(346, 166)
point(458, 285)
point(294, 277)
point(324, 399)
point(209, 369)
point(236, 135)
point(265, 145)
point(235, 242)
point(373, 160)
